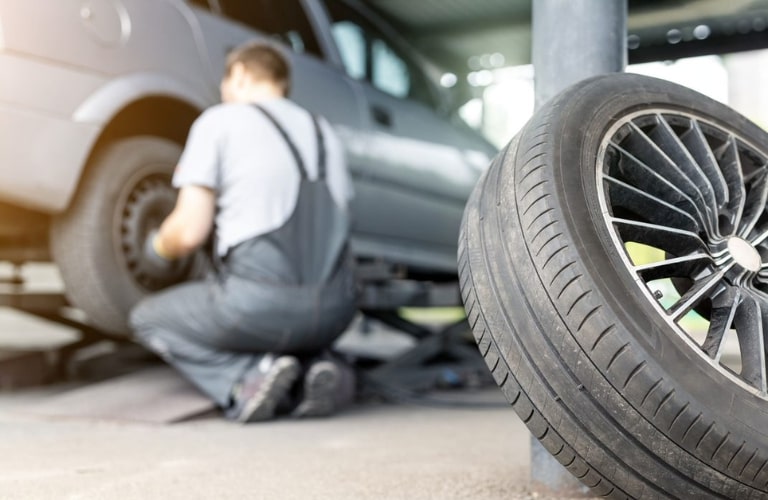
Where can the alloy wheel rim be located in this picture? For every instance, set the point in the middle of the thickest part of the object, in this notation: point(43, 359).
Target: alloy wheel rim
point(684, 199)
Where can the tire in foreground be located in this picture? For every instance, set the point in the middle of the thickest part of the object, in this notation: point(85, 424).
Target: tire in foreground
point(611, 262)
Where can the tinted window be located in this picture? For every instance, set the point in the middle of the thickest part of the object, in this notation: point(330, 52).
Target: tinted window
point(367, 53)
point(283, 18)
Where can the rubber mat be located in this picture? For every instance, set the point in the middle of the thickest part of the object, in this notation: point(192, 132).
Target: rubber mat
point(157, 395)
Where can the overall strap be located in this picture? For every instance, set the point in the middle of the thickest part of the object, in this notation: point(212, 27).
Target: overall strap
point(321, 152)
point(288, 141)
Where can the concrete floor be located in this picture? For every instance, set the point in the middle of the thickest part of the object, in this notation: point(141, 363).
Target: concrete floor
point(373, 450)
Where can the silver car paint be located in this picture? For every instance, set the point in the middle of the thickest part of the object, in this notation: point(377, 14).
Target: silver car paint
point(67, 67)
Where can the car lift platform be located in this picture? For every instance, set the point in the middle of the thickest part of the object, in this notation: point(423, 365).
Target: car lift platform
point(443, 356)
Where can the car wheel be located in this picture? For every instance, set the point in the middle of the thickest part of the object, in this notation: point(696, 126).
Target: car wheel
point(614, 268)
point(97, 242)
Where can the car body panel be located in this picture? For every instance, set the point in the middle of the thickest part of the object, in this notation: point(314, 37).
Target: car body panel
point(44, 180)
point(412, 176)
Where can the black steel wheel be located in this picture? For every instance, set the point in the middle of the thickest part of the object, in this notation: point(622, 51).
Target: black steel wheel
point(142, 206)
point(612, 268)
point(97, 242)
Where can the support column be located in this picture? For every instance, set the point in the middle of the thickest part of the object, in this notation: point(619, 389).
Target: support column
point(576, 39)
point(572, 40)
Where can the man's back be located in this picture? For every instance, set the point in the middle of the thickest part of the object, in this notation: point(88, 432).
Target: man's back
point(235, 150)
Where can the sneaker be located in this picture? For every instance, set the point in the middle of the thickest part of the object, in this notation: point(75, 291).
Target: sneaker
point(264, 387)
point(327, 386)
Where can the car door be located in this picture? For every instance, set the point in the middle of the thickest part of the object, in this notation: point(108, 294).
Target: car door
point(316, 84)
point(418, 168)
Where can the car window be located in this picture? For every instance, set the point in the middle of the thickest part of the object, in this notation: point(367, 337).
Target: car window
point(285, 19)
point(389, 72)
point(368, 54)
point(350, 39)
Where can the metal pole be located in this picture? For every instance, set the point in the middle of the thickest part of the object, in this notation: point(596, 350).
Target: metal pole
point(576, 39)
point(572, 40)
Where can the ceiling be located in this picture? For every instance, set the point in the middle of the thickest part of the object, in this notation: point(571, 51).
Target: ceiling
point(449, 32)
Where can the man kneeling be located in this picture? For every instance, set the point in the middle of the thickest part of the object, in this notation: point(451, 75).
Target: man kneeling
point(271, 179)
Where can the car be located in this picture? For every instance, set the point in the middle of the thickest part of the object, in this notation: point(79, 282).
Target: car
point(97, 98)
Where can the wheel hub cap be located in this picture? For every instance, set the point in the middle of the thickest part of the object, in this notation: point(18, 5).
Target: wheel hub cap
point(744, 254)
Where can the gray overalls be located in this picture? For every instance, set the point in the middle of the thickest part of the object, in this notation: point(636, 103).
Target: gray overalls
point(288, 291)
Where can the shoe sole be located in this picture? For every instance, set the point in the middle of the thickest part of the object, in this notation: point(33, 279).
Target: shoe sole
point(278, 382)
point(321, 383)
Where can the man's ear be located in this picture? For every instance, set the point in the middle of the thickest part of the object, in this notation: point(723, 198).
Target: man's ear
point(237, 72)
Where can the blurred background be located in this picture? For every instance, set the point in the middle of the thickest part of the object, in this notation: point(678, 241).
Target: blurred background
point(483, 49)
point(503, 95)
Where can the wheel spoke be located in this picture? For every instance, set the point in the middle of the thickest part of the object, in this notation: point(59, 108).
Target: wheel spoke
point(755, 203)
point(677, 267)
point(724, 307)
point(647, 148)
point(673, 241)
point(750, 321)
point(730, 165)
point(639, 174)
point(761, 279)
point(649, 207)
point(700, 290)
point(697, 145)
point(759, 239)
point(763, 273)
point(675, 150)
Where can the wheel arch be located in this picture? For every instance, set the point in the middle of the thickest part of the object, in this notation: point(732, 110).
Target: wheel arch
point(163, 116)
point(158, 115)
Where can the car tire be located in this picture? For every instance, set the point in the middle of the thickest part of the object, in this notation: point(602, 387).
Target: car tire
point(603, 368)
point(97, 243)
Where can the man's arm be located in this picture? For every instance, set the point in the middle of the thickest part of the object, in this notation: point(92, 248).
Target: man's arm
point(189, 225)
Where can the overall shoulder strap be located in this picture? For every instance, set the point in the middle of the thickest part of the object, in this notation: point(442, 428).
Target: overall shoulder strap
point(321, 151)
point(288, 141)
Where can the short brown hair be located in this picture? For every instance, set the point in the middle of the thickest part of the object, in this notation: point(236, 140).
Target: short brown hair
point(263, 62)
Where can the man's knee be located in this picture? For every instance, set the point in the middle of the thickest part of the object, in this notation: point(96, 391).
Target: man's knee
point(146, 317)
point(139, 315)
point(143, 321)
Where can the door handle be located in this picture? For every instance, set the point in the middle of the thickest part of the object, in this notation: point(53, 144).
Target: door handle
point(381, 116)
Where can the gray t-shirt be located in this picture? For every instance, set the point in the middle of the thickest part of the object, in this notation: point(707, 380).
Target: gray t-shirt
point(234, 150)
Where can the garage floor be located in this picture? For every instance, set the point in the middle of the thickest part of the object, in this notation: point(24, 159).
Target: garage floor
point(374, 450)
point(371, 451)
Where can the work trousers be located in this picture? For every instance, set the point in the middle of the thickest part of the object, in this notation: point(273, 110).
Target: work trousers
point(215, 330)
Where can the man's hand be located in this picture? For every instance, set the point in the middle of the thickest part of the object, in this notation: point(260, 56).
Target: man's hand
point(169, 251)
point(159, 264)
point(189, 224)
point(158, 247)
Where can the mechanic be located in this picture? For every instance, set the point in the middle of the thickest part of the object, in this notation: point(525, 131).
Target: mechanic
point(270, 180)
